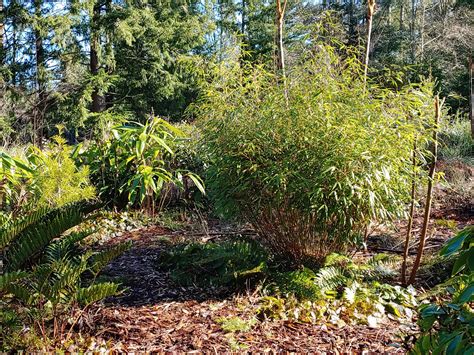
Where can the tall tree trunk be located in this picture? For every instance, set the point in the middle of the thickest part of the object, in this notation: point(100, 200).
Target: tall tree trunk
point(352, 24)
point(370, 13)
point(242, 25)
point(410, 217)
point(279, 50)
point(221, 31)
point(279, 20)
point(389, 14)
point(471, 100)
point(243, 38)
point(429, 195)
point(402, 19)
point(14, 46)
point(109, 52)
point(98, 100)
point(38, 120)
point(2, 29)
point(422, 29)
point(413, 31)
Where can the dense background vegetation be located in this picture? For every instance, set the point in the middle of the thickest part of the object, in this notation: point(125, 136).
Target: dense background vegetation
point(310, 123)
point(66, 62)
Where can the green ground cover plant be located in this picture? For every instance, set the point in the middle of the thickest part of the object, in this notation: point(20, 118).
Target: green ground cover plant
point(341, 292)
point(447, 325)
point(228, 263)
point(47, 278)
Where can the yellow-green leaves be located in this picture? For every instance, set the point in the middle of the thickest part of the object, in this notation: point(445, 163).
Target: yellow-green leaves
point(43, 178)
point(136, 162)
point(311, 175)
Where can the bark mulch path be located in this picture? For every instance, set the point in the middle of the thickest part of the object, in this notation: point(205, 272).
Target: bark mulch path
point(155, 315)
point(191, 326)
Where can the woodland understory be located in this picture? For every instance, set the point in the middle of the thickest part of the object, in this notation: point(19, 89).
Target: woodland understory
point(157, 314)
point(237, 176)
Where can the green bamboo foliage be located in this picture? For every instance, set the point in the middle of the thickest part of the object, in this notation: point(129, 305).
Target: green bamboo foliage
point(310, 176)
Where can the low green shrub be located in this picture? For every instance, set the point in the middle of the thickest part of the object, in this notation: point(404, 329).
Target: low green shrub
point(226, 263)
point(133, 164)
point(457, 143)
point(447, 326)
point(42, 178)
point(353, 303)
point(300, 283)
point(342, 292)
point(338, 273)
point(46, 277)
point(58, 179)
point(311, 173)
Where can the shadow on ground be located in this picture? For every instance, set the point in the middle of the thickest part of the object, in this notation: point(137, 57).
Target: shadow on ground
point(146, 283)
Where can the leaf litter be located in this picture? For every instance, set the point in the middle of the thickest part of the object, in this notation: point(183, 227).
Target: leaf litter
point(154, 314)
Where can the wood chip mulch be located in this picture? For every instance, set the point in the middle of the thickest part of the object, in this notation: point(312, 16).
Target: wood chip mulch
point(156, 315)
point(191, 326)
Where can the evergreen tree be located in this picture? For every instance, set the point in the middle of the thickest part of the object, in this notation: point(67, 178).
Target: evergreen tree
point(157, 56)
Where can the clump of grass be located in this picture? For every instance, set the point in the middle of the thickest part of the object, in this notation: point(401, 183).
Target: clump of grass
point(447, 223)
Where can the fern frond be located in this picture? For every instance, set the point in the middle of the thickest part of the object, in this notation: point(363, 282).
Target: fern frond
point(32, 240)
point(5, 219)
point(9, 277)
point(41, 277)
point(76, 237)
point(68, 282)
point(21, 292)
point(13, 227)
point(59, 280)
point(330, 278)
point(65, 247)
point(380, 267)
point(101, 259)
point(96, 292)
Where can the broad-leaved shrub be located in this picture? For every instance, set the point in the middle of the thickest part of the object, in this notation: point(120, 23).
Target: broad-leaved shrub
point(132, 166)
point(447, 325)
